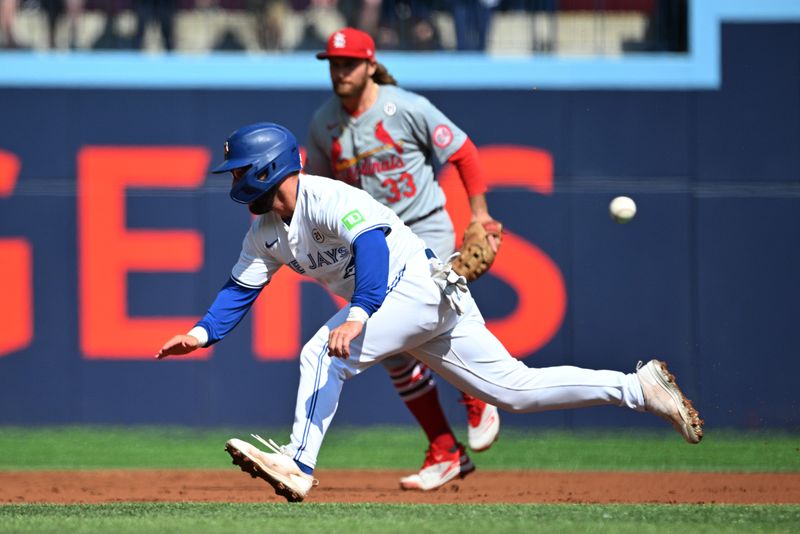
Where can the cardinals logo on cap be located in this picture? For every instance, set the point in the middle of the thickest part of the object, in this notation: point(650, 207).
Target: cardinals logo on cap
point(349, 42)
point(339, 40)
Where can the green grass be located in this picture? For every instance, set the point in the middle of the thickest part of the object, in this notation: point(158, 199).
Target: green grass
point(400, 448)
point(201, 518)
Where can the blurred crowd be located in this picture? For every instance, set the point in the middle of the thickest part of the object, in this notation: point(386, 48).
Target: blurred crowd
point(395, 25)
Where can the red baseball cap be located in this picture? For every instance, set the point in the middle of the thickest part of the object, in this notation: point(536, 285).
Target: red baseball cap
point(349, 42)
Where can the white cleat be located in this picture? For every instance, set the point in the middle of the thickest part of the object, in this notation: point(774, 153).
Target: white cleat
point(440, 467)
point(483, 423)
point(663, 398)
point(278, 469)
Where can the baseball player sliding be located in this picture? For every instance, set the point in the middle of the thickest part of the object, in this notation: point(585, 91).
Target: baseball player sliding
point(384, 140)
point(402, 298)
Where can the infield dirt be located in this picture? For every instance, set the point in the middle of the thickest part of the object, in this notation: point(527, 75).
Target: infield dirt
point(382, 487)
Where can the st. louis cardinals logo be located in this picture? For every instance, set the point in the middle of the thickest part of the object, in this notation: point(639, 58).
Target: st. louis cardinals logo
point(383, 136)
point(442, 136)
point(339, 40)
point(364, 164)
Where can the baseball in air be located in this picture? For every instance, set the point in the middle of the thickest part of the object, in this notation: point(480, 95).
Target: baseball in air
point(622, 209)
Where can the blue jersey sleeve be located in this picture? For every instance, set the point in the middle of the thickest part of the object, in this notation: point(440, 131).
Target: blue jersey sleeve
point(228, 309)
point(371, 254)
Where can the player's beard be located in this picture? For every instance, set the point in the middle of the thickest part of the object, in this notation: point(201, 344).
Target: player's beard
point(351, 89)
point(263, 204)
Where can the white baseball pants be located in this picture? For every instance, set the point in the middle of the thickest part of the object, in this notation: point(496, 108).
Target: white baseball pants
point(415, 318)
point(439, 236)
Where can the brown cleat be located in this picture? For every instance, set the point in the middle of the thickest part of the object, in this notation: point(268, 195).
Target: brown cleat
point(663, 397)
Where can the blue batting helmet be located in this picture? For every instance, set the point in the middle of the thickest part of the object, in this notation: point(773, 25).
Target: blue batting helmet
point(270, 152)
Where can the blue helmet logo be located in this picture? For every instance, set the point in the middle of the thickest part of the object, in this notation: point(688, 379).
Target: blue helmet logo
point(270, 153)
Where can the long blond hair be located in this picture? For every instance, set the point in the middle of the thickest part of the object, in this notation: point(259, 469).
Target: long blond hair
point(382, 76)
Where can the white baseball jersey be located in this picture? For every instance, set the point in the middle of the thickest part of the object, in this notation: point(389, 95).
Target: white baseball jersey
point(389, 150)
point(328, 218)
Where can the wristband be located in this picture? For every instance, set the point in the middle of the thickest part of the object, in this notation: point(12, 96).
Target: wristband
point(357, 314)
point(200, 333)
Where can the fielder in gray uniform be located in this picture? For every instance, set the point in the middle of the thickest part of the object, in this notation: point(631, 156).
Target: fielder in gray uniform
point(383, 139)
point(402, 298)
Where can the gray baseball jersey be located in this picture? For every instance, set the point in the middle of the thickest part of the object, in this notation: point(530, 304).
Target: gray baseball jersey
point(388, 150)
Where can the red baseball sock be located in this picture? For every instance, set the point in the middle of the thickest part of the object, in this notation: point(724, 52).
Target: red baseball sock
point(429, 415)
point(415, 384)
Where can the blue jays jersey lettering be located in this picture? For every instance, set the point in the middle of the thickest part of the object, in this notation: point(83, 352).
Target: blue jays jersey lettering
point(317, 242)
point(328, 257)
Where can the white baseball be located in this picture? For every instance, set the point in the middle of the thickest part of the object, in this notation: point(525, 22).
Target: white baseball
point(622, 209)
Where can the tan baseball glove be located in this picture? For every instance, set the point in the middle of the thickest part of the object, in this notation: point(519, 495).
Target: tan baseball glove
point(478, 249)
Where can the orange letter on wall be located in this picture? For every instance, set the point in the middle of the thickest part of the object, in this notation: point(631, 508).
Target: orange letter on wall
point(276, 330)
point(108, 251)
point(276, 334)
point(542, 297)
point(16, 279)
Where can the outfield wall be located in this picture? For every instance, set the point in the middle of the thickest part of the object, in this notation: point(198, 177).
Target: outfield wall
point(113, 236)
